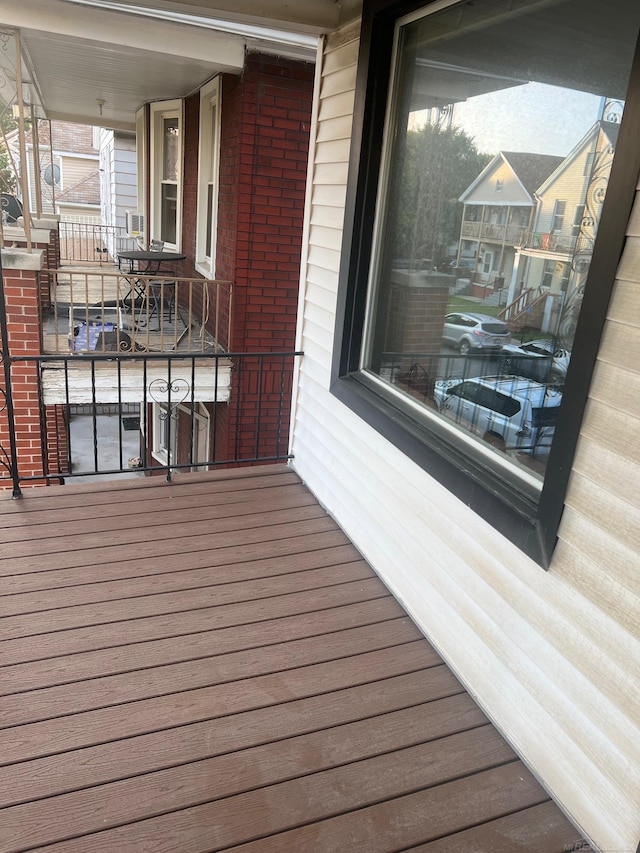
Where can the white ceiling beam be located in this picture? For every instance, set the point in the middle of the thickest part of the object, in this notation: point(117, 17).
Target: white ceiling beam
point(130, 31)
point(314, 17)
point(97, 121)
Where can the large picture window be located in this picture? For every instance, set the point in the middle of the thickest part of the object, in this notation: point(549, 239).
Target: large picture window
point(484, 127)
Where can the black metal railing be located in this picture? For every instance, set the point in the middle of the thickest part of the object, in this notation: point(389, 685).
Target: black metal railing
point(134, 312)
point(181, 413)
point(92, 242)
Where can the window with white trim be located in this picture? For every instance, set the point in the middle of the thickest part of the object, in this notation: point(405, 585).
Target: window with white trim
point(208, 166)
point(166, 177)
point(165, 433)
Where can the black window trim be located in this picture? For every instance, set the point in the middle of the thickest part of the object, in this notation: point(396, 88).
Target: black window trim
point(527, 518)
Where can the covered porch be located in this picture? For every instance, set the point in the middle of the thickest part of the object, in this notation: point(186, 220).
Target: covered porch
point(209, 664)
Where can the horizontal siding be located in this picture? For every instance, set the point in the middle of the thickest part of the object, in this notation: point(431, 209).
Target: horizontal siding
point(551, 656)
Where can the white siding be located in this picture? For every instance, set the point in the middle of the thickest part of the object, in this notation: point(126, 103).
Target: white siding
point(553, 657)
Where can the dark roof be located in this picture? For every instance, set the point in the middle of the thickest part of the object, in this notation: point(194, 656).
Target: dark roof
point(532, 169)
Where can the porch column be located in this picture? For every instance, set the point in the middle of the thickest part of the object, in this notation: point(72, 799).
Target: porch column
point(21, 272)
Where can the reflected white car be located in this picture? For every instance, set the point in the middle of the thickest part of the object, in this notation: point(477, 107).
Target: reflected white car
point(540, 359)
point(510, 413)
point(468, 331)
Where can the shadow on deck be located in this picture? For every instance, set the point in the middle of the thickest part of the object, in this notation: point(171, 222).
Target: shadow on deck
point(210, 664)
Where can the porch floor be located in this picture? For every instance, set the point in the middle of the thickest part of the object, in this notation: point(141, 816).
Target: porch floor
point(211, 665)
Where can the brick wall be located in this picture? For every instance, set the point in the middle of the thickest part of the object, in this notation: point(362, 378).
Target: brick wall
point(24, 329)
point(265, 124)
point(266, 118)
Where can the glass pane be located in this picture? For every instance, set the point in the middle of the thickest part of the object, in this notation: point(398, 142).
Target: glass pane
point(504, 123)
point(209, 226)
point(168, 225)
point(170, 149)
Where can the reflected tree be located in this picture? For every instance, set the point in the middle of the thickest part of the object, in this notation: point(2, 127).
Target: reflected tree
point(436, 166)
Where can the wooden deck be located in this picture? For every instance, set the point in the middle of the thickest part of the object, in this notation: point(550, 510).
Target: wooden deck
point(211, 665)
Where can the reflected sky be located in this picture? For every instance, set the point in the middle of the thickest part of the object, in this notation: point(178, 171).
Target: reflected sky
point(550, 119)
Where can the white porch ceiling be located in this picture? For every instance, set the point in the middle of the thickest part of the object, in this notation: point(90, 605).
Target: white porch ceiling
point(79, 52)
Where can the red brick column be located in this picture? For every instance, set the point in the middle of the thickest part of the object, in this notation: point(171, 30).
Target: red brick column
point(22, 300)
point(266, 121)
point(418, 303)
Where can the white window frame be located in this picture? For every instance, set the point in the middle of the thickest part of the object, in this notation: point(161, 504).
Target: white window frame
point(162, 451)
point(201, 429)
point(142, 167)
point(160, 111)
point(208, 177)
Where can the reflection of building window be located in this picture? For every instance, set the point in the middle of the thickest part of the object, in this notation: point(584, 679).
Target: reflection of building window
point(548, 273)
point(166, 184)
point(558, 215)
point(578, 216)
point(399, 312)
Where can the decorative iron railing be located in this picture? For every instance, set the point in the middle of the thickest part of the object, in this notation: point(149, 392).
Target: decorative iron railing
point(511, 235)
point(199, 412)
point(103, 311)
point(92, 243)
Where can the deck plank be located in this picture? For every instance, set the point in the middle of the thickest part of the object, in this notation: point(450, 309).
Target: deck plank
point(263, 558)
point(22, 677)
point(38, 646)
point(90, 519)
point(539, 829)
point(106, 691)
point(442, 710)
point(136, 605)
point(244, 795)
point(211, 665)
point(163, 712)
point(147, 547)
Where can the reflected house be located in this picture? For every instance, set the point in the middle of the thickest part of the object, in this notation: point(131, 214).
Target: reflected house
point(554, 256)
point(528, 224)
point(499, 210)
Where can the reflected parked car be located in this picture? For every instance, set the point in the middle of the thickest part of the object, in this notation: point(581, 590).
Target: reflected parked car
point(479, 332)
point(510, 413)
point(541, 360)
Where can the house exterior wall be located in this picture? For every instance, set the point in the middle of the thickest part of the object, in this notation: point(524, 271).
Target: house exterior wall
point(118, 182)
point(512, 190)
point(264, 143)
point(569, 186)
point(21, 271)
point(551, 656)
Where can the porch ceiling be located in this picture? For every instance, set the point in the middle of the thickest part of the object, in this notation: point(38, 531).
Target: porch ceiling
point(79, 52)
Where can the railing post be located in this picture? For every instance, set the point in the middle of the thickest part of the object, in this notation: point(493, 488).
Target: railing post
point(6, 364)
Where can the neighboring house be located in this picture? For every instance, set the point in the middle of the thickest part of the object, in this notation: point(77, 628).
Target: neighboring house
point(525, 581)
point(556, 254)
point(225, 185)
point(499, 211)
point(217, 176)
point(118, 182)
point(69, 169)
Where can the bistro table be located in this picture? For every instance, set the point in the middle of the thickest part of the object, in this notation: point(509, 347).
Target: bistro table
point(146, 261)
point(137, 266)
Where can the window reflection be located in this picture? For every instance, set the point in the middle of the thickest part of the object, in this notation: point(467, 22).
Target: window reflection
point(496, 172)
